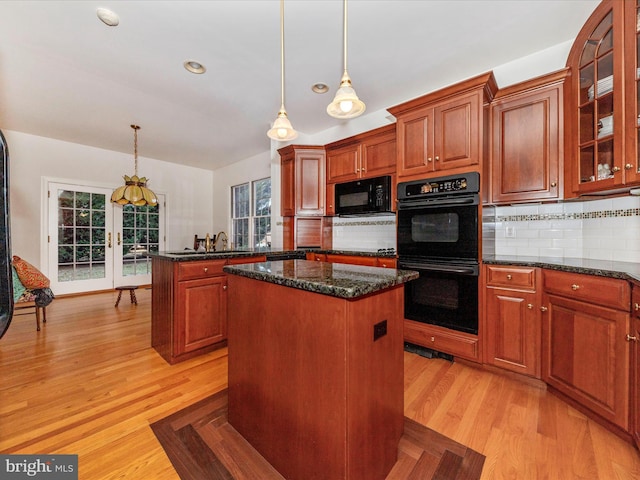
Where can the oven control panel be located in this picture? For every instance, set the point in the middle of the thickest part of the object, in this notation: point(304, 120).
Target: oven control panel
point(452, 184)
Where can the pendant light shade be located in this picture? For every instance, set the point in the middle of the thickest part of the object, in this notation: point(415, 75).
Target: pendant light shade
point(282, 130)
point(346, 103)
point(134, 191)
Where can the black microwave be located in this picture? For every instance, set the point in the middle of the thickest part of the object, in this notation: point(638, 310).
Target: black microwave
point(363, 197)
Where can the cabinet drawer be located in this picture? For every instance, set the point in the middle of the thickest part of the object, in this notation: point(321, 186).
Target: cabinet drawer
point(609, 292)
point(444, 340)
point(200, 269)
point(511, 277)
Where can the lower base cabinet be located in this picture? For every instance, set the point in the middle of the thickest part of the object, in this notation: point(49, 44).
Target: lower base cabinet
point(634, 339)
point(585, 354)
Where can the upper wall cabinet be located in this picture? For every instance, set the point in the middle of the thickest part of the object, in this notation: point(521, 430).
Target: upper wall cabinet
point(601, 101)
point(302, 180)
point(444, 130)
point(527, 140)
point(368, 154)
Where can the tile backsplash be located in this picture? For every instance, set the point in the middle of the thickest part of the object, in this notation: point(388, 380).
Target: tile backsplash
point(364, 233)
point(599, 229)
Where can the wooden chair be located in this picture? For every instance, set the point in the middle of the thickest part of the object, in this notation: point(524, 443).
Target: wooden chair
point(41, 312)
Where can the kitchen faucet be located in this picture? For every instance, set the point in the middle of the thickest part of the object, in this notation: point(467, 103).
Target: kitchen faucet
point(217, 238)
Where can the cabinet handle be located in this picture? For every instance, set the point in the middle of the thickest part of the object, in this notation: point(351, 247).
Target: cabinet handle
point(636, 306)
point(631, 338)
point(628, 166)
point(530, 306)
point(205, 269)
point(554, 184)
point(509, 277)
point(615, 169)
point(429, 159)
point(575, 287)
point(433, 339)
point(543, 309)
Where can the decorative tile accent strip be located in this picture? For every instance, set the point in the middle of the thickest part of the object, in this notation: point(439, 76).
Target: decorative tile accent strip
point(626, 212)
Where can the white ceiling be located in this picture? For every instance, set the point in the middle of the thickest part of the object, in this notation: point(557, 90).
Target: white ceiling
point(66, 75)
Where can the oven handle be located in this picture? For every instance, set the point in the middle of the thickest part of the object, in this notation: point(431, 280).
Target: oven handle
point(435, 203)
point(439, 268)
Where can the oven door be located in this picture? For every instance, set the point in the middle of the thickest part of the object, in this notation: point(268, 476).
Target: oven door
point(445, 295)
point(440, 229)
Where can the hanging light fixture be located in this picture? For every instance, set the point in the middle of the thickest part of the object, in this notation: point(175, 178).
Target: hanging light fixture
point(346, 103)
point(282, 129)
point(134, 191)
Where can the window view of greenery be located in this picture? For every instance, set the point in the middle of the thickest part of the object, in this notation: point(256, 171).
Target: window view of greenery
point(251, 215)
point(81, 235)
point(140, 234)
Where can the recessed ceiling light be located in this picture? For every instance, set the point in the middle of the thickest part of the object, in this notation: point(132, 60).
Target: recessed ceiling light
point(320, 88)
point(194, 67)
point(108, 17)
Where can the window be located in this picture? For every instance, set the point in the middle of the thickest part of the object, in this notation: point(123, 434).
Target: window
point(251, 214)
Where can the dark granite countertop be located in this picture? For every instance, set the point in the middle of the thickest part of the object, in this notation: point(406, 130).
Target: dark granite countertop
point(602, 268)
point(272, 254)
point(334, 279)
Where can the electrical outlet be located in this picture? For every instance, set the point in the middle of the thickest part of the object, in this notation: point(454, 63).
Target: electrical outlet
point(379, 330)
point(510, 232)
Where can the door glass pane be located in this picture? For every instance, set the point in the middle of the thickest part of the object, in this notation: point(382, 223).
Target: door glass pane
point(81, 234)
point(140, 235)
point(262, 213)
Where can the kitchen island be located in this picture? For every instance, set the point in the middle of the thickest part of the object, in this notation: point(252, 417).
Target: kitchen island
point(316, 366)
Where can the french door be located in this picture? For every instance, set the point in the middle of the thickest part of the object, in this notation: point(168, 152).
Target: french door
point(96, 245)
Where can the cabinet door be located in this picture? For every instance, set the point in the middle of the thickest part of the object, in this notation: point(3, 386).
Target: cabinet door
point(310, 183)
point(201, 316)
point(513, 331)
point(596, 102)
point(343, 164)
point(457, 137)
point(526, 146)
point(330, 209)
point(632, 88)
point(379, 156)
point(415, 143)
point(287, 187)
point(585, 355)
point(635, 366)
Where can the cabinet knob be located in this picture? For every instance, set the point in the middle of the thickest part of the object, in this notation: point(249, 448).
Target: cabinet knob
point(509, 277)
point(224, 287)
point(631, 338)
point(615, 169)
point(429, 159)
point(437, 158)
point(636, 306)
point(357, 170)
point(575, 287)
point(433, 339)
point(554, 184)
point(628, 166)
point(543, 309)
point(205, 269)
point(530, 306)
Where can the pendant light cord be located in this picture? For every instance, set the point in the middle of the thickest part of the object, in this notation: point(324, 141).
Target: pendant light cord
point(135, 149)
point(344, 28)
point(282, 53)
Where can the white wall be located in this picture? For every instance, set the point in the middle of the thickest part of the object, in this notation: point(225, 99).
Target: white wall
point(32, 158)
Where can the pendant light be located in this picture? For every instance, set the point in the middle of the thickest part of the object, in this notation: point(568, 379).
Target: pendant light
point(282, 129)
point(134, 191)
point(346, 103)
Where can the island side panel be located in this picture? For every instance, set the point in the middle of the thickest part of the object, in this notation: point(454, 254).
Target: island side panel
point(287, 377)
point(375, 383)
point(308, 386)
point(162, 274)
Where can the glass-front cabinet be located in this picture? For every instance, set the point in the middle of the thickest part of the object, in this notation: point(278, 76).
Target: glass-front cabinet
point(602, 101)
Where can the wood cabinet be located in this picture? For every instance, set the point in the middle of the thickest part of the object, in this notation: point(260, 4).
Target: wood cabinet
point(366, 155)
point(602, 100)
point(384, 262)
point(513, 317)
point(189, 306)
point(585, 354)
point(634, 339)
point(444, 130)
point(302, 180)
point(527, 140)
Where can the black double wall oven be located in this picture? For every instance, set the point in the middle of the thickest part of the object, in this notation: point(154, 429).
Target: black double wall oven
point(438, 237)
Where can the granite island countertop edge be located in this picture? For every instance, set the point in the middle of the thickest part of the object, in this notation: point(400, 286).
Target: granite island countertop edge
point(336, 280)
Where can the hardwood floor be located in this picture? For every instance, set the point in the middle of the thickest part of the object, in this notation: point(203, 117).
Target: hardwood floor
point(89, 383)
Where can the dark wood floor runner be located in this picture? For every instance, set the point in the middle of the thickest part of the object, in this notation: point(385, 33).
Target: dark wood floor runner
point(202, 445)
